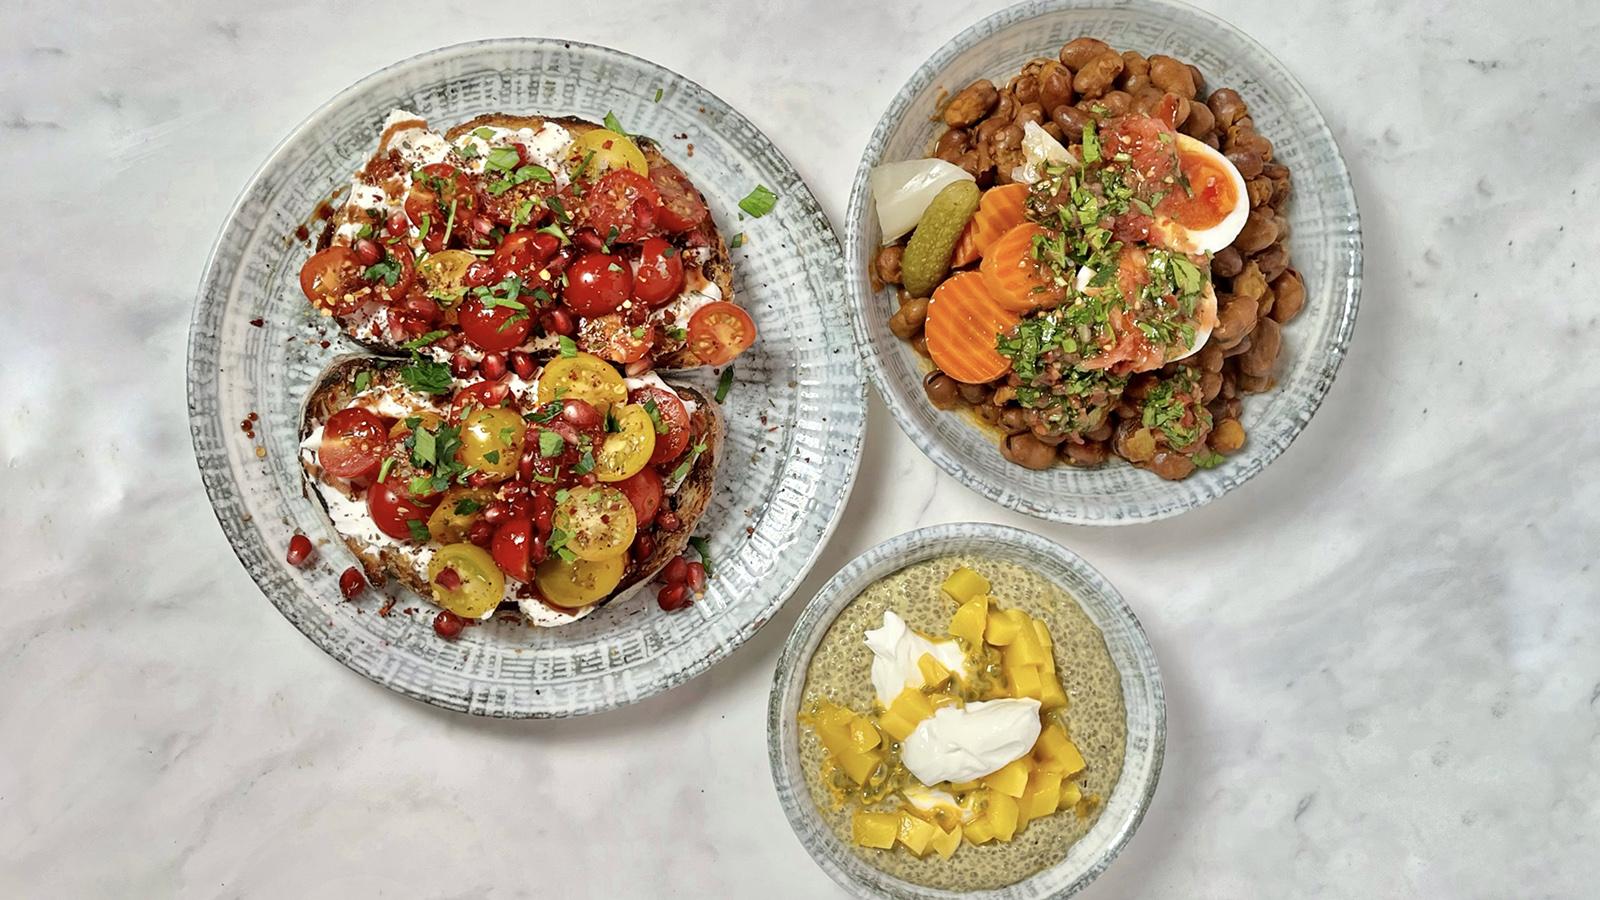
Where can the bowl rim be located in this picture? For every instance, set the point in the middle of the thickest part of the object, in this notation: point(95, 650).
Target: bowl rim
point(884, 559)
point(1229, 478)
point(201, 381)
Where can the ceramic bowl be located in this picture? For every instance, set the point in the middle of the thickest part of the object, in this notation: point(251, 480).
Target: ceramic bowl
point(1124, 638)
point(1325, 246)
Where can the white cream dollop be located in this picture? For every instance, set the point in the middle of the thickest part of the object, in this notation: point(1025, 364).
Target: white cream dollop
point(963, 743)
point(895, 652)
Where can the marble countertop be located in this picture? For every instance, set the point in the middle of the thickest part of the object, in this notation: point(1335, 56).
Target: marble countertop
point(1385, 682)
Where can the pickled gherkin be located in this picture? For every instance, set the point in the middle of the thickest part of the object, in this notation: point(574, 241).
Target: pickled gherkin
point(927, 256)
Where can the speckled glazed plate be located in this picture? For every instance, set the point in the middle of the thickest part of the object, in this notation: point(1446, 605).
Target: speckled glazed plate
point(1325, 244)
point(1130, 651)
point(795, 413)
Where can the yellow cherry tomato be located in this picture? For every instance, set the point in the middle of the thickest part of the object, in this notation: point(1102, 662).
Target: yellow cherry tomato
point(425, 419)
point(626, 450)
point(445, 274)
point(611, 151)
point(597, 521)
point(577, 583)
point(491, 441)
point(476, 586)
point(582, 377)
point(458, 510)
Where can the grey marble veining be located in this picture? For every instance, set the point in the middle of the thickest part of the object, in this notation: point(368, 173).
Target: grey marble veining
point(1380, 655)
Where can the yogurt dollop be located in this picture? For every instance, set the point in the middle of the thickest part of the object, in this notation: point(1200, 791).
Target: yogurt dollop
point(964, 743)
point(895, 652)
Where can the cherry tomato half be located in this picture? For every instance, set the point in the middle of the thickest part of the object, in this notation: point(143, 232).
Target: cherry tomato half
point(672, 415)
point(622, 206)
point(681, 208)
point(612, 338)
point(660, 274)
point(720, 331)
point(523, 254)
point(435, 190)
point(493, 328)
point(391, 511)
point(482, 395)
point(336, 282)
point(598, 283)
point(644, 490)
point(353, 443)
point(512, 542)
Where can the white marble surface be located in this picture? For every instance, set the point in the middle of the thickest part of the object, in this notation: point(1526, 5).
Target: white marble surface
point(1381, 655)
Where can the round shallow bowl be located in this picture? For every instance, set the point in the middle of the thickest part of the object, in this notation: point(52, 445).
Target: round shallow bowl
point(795, 413)
point(1141, 691)
point(1325, 245)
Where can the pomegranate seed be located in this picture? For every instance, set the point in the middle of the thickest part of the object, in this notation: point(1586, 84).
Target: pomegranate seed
point(676, 572)
point(588, 479)
point(423, 308)
point(493, 365)
point(448, 578)
point(643, 546)
point(447, 624)
point(300, 550)
point(481, 533)
point(673, 596)
point(544, 512)
point(667, 520)
point(351, 583)
point(514, 492)
point(522, 154)
point(450, 342)
point(697, 578)
point(398, 224)
point(482, 224)
point(581, 414)
point(496, 512)
point(588, 239)
point(558, 321)
point(481, 479)
point(522, 364)
point(461, 365)
point(478, 274)
point(368, 253)
point(639, 367)
point(538, 549)
point(522, 508)
point(525, 467)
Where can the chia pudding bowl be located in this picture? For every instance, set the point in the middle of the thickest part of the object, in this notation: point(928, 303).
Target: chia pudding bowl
point(1114, 712)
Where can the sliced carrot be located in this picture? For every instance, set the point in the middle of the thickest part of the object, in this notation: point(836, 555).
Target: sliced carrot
point(999, 211)
point(1011, 273)
point(963, 322)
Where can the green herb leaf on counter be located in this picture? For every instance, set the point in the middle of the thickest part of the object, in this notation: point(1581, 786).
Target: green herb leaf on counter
point(724, 383)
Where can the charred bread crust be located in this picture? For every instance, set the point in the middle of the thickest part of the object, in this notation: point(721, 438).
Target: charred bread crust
point(336, 388)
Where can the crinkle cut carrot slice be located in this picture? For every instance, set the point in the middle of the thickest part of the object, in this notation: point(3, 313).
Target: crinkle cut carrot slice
point(963, 322)
point(1013, 276)
point(999, 211)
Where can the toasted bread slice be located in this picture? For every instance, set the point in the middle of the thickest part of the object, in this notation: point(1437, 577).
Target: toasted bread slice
point(384, 558)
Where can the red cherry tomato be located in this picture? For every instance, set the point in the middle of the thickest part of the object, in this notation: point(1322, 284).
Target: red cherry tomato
point(481, 395)
point(598, 283)
point(720, 331)
point(681, 207)
point(353, 443)
point(391, 510)
point(495, 328)
point(435, 190)
point(673, 415)
point(510, 550)
point(523, 254)
point(622, 206)
point(335, 280)
point(611, 337)
point(660, 274)
point(644, 490)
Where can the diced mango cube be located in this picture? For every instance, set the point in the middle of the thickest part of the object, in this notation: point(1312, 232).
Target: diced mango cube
point(969, 621)
point(946, 842)
point(1051, 696)
point(1070, 795)
point(1042, 796)
point(1011, 779)
point(875, 829)
point(1056, 752)
point(978, 831)
point(915, 833)
point(895, 726)
point(913, 704)
point(1023, 681)
point(1042, 633)
point(934, 672)
point(1004, 625)
point(964, 584)
point(940, 700)
point(863, 734)
point(1002, 816)
point(859, 766)
point(1025, 649)
point(832, 724)
point(962, 787)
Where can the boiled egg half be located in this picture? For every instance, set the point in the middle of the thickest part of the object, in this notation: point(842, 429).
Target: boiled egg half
point(1211, 213)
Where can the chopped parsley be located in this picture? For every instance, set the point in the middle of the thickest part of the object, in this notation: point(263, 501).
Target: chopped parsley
point(383, 470)
point(724, 384)
point(759, 202)
point(386, 270)
point(612, 124)
point(424, 340)
point(418, 529)
point(659, 94)
point(558, 544)
point(551, 444)
point(363, 379)
point(682, 471)
point(702, 547)
point(466, 506)
point(737, 242)
point(654, 412)
point(426, 377)
point(1091, 144)
point(569, 347)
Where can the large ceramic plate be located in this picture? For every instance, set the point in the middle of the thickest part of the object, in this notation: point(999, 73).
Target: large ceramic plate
point(1325, 246)
point(795, 414)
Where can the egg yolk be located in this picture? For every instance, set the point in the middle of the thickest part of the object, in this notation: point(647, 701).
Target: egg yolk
point(1211, 195)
